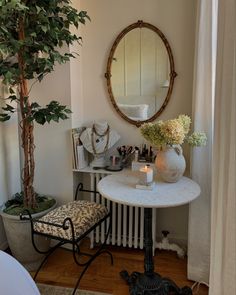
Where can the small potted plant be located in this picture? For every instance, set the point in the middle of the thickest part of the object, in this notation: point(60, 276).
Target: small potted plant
point(168, 136)
point(31, 35)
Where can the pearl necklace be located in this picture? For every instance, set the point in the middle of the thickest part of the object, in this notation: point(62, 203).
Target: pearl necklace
point(106, 133)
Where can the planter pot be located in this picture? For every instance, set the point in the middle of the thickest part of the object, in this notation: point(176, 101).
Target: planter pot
point(170, 163)
point(3, 238)
point(18, 234)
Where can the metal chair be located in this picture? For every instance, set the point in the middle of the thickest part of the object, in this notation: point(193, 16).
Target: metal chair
point(70, 224)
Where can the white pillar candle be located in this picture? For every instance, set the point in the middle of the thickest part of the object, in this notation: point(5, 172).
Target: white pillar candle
point(146, 175)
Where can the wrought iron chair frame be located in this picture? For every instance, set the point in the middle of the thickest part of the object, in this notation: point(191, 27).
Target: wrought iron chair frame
point(66, 225)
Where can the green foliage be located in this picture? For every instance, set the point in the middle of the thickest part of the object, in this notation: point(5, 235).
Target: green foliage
point(4, 117)
point(15, 206)
point(52, 112)
point(32, 34)
point(46, 29)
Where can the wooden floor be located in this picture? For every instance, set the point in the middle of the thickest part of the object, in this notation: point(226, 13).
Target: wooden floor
point(102, 276)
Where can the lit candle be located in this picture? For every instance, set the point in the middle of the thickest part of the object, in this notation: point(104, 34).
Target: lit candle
point(146, 174)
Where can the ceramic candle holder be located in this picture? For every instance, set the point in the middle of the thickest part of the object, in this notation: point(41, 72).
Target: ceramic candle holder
point(146, 175)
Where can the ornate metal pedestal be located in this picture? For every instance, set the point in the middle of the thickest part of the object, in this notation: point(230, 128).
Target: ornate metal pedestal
point(149, 282)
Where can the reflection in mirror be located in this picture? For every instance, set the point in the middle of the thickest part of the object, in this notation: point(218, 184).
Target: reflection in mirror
point(140, 73)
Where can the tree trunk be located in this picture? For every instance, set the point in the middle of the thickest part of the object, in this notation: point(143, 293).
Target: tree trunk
point(27, 128)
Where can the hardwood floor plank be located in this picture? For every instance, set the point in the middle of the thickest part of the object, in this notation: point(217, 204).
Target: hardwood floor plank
point(101, 276)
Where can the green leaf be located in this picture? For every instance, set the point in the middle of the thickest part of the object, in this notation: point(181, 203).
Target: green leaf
point(4, 117)
point(9, 108)
point(8, 76)
point(38, 9)
point(11, 98)
point(44, 28)
point(46, 48)
point(30, 118)
point(11, 90)
point(63, 116)
point(40, 77)
point(35, 105)
point(39, 118)
point(33, 34)
point(68, 111)
point(48, 118)
point(55, 118)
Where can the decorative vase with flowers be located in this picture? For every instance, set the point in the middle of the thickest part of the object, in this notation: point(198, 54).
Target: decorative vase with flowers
point(168, 136)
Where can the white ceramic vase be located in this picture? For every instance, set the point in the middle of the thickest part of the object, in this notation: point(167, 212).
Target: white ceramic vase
point(170, 163)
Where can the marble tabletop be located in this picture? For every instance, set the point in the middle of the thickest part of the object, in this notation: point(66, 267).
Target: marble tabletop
point(120, 188)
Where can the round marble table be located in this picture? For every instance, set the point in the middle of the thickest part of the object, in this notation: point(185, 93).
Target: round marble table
point(120, 188)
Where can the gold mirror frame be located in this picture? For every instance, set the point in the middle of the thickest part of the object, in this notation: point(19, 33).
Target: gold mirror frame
point(173, 74)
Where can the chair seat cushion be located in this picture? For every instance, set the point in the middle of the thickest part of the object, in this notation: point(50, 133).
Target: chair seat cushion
point(84, 215)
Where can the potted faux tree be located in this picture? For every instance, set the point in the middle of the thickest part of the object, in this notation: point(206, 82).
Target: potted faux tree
point(31, 35)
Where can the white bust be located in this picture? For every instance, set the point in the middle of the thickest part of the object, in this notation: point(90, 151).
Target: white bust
point(98, 139)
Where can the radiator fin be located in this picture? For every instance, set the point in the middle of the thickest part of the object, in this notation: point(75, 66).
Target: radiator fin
point(127, 221)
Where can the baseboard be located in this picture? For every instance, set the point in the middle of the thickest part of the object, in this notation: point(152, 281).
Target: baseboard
point(198, 273)
point(3, 238)
point(179, 241)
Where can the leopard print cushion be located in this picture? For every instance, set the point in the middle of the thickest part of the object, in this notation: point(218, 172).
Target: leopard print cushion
point(84, 215)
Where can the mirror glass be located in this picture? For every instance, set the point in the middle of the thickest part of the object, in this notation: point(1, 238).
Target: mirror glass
point(140, 73)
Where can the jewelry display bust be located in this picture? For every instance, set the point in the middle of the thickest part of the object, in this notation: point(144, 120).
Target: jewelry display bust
point(97, 140)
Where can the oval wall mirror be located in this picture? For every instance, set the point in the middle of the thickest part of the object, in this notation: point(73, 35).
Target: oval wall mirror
point(140, 73)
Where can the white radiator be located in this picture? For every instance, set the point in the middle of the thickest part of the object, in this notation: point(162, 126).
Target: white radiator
point(127, 227)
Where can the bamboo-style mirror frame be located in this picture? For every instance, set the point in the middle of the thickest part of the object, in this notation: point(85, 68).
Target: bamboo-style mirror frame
point(173, 74)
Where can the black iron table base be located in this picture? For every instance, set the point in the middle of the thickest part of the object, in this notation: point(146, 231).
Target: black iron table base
point(149, 282)
point(153, 284)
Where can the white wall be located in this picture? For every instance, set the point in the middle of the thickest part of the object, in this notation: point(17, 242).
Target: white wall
point(53, 174)
point(76, 86)
point(176, 19)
